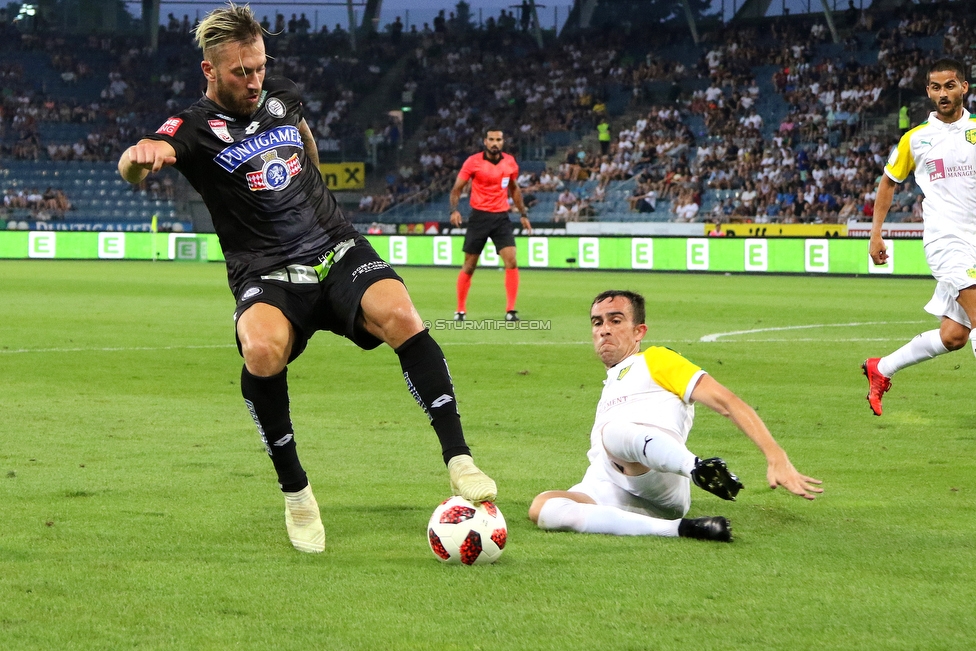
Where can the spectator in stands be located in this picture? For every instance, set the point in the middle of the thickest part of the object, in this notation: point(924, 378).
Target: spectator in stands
point(646, 202)
point(849, 208)
point(916, 209)
point(686, 208)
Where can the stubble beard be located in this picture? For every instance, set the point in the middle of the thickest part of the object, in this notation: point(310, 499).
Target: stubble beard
point(235, 104)
point(951, 110)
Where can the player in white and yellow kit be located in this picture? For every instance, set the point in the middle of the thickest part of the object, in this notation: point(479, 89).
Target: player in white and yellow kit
point(640, 474)
point(942, 154)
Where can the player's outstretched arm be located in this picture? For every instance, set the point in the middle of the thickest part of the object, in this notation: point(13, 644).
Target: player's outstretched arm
point(882, 203)
point(144, 157)
point(779, 469)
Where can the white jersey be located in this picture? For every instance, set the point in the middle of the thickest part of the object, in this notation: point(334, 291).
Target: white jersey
point(943, 157)
point(653, 388)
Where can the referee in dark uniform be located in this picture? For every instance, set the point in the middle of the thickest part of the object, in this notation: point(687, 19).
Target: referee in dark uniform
point(494, 177)
point(294, 262)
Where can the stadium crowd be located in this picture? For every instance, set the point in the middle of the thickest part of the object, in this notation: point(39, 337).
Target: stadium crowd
point(731, 141)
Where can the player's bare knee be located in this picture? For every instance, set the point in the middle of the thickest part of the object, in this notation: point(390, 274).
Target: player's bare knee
point(954, 338)
point(403, 321)
point(396, 324)
point(264, 356)
point(537, 504)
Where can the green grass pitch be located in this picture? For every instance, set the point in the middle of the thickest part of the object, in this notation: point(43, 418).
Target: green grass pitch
point(138, 509)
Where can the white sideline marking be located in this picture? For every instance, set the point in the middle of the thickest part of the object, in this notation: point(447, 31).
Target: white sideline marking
point(711, 338)
point(715, 336)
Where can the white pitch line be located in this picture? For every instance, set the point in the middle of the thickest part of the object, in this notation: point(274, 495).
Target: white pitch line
point(714, 337)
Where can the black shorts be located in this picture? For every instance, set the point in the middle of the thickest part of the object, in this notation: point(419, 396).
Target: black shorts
point(482, 225)
point(331, 304)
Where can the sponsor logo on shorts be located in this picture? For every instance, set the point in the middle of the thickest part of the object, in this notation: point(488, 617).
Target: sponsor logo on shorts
point(276, 108)
point(971, 136)
point(251, 293)
point(368, 267)
point(170, 127)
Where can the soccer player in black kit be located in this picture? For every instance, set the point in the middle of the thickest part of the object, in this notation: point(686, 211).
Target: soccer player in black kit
point(294, 262)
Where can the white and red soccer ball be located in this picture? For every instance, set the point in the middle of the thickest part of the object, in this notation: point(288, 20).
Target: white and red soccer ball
point(466, 533)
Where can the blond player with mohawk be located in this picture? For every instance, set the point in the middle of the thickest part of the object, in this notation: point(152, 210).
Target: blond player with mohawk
point(942, 153)
point(295, 263)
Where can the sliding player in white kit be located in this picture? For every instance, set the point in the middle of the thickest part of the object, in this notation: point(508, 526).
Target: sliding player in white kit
point(640, 474)
point(942, 153)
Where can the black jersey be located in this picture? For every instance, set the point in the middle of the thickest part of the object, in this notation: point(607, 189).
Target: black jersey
point(269, 204)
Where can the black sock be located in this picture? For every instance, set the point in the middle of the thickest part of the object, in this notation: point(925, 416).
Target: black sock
point(267, 400)
point(429, 381)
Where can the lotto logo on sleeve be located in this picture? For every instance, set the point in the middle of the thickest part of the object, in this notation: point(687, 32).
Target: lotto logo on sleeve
point(170, 127)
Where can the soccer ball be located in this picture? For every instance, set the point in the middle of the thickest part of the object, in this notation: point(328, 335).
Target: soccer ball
point(462, 532)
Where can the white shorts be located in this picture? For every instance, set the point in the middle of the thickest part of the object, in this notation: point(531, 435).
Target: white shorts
point(657, 494)
point(953, 264)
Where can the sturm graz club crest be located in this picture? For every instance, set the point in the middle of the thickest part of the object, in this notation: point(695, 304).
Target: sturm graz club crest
point(275, 174)
point(275, 107)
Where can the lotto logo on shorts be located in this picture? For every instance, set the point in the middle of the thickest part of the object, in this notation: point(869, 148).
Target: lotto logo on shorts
point(170, 127)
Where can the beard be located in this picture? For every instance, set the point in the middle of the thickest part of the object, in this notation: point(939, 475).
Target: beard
point(948, 109)
point(235, 102)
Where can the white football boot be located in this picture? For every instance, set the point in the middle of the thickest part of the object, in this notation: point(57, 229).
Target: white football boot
point(304, 522)
point(469, 482)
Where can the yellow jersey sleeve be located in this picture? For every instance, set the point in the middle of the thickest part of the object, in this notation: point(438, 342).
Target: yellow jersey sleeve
point(669, 370)
point(901, 162)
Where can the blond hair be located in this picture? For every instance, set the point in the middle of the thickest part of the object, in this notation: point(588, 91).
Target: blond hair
point(230, 24)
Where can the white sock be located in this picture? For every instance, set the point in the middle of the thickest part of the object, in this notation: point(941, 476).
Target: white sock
point(924, 346)
point(649, 447)
point(563, 514)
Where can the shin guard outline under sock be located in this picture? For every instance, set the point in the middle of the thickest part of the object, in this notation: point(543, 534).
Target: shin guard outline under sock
point(266, 399)
point(429, 381)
